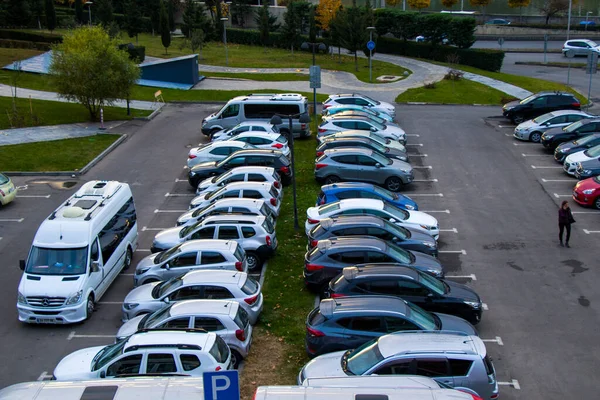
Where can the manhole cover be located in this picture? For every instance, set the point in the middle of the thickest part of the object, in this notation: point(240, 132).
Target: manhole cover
point(389, 78)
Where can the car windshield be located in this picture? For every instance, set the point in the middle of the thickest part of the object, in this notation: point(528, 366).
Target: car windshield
point(220, 350)
point(381, 159)
point(46, 261)
point(328, 208)
point(165, 255)
point(3, 179)
point(189, 229)
point(593, 152)
point(432, 283)
point(597, 179)
point(157, 317)
point(385, 193)
point(422, 317)
point(528, 99)
point(396, 230)
point(543, 118)
point(241, 318)
point(402, 215)
point(360, 360)
point(573, 126)
point(105, 355)
point(400, 255)
point(165, 287)
point(377, 125)
point(250, 286)
point(379, 138)
point(584, 140)
point(371, 100)
point(215, 194)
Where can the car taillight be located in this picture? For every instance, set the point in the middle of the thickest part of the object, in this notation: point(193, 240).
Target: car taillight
point(475, 397)
point(218, 368)
point(320, 153)
point(313, 332)
point(322, 201)
point(320, 165)
point(239, 266)
point(251, 300)
point(313, 221)
point(2, 193)
point(285, 170)
point(277, 145)
point(576, 104)
point(313, 267)
point(268, 240)
point(337, 295)
point(192, 156)
point(313, 243)
point(326, 106)
point(277, 184)
point(241, 335)
point(273, 201)
point(322, 130)
point(303, 126)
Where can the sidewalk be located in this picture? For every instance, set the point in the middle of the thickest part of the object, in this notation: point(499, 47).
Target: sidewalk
point(53, 132)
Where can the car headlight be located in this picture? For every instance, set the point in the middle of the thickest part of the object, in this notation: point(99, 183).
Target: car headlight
point(403, 158)
point(588, 191)
point(435, 272)
point(429, 244)
point(142, 271)
point(75, 298)
point(473, 304)
point(587, 171)
point(21, 299)
point(406, 171)
point(425, 227)
point(563, 150)
point(130, 306)
point(409, 207)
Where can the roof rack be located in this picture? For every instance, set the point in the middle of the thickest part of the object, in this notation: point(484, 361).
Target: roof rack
point(161, 345)
point(199, 330)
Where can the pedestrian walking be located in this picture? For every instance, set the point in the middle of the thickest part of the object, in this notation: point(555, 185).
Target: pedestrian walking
point(565, 219)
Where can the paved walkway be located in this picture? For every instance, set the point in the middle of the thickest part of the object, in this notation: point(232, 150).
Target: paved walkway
point(52, 132)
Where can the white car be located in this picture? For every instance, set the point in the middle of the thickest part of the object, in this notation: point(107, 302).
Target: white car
point(533, 129)
point(226, 318)
point(264, 140)
point(253, 126)
point(570, 163)
point(360, 113)
point(248, 190)
point(371, 135)
point(359, 100)
point(240, 174)
point(579, 47)
point(410, 219)
point(154, 352)
point(214, 151)
point(228, 206)
point(340, 123)
point(196, 285)
point(350, 107)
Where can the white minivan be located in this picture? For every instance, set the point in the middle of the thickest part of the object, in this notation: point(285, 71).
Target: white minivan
point(76, 254)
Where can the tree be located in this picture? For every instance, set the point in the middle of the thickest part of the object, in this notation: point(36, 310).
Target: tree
point(262, 20)
point(450, 3)
point(406, 26)
point(482, 3)
point(326, 10)
point(17, 12)
point(351, 30)
point(312, 26)
point(171, 14)
point(104, 11)
point(219, 25)
point(79, 18)
point(194, 42)
point(421, 4)
point(87, 67)
point(189, 18)
point(461, 32)
point(552, 8)
point(165, 31)
point(392, 3)
point(50, 15)
point(290, 28)
point(519, 4)
point(134, 24)
point(153, 10)
point(36, 7)
point(239, 10)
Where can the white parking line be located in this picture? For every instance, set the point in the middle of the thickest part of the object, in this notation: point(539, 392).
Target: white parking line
point(588, 232)
point(471, 277)
point(546, 167)
point(557, 180)
point(463, 252)
point(180, 194)
point(12, 220)
point(424, 167)
point(453, 230)
point(170, 211)
point(426, 194)
point(484, 306)
point(413, 134)
point(514, 383)
point(585, 212)
point(497, 340)
point(180, 180)
point(112, 303)
point(0, 237)
point(73, 335)
point(416, 155)
point(425, 180)
point(125, 274)
point(261, 280)
point(436, 211)
point(143, 250)
point(44, 376)
point(507, 126)
point(145, 228)
point(536, 155)
point(523, 144)
point(414, 144)
point(34, 196)
point(562, 195)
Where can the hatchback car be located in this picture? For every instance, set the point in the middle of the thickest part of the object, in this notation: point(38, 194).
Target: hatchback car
point(587, 192)
point(538, 104)
point(431, 294)
point(228, 206)
point(326, 260)
point(254, 232)
point(393, 144)
point(370, 225)
point(214, 151)
point(567, 148)
point(588, 169)
point(351, 107)
point(259, 157)
point(8, 191)
point(362, 142)
point(226, 318)
point(190, 256)
point(532, 130)
point(247, 126)
point(348, 322)
point(339, 123)
point(241, 190)
point(453, 359)
point(359, 100)
point(164, 352)
point(240, 174)
point(357, 190)
point(264, 140)
point(577, 130)
point(359, 113)
point(196, 285)
point(497, 21)
point(378, 208)
point(357, 164)
point(579, 47)
point(571, 161)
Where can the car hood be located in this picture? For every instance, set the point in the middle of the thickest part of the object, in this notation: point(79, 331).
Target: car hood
point(554, 132)
point(426, 261)
point(461, 292)
point(185, 217)
point(205, 184)
point(588, 183)
point(396, 145)
point(147, 261)
point(394, 152)
point(77, 363)
point(396, 130)
point(457, 324)
point(577, 157)
point(401, 165)
point(199, 200)
point(591, 164)
point(204, 166)
point(141, 293)
point(168, 238)
point(511, 104)
point(418, 235)
point(50, 285)
point(421, 218)
point(526, 125)
point(567, 147)
point(327, 365)
point(387, 106)
point(130, 327)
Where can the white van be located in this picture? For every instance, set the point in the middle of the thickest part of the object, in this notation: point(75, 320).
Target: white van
point(76, 254)
point(147, 388)
point(260, 107)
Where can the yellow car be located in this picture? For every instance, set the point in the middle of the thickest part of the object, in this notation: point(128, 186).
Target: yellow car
point(8, 191)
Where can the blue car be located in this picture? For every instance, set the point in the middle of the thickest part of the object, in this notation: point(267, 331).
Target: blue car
point(355, 190)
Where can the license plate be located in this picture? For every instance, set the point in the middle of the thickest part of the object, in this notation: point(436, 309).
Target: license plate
point(45, 320)
point(12, 189)
point(575, 194)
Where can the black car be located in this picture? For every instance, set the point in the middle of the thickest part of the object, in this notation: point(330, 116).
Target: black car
point(365, 142)
point(565, 149)
point(587, 169)
point(577, 130)
point(429, 293)
point(258, 157)
point(538, 104)
point(370, 225)
point(327, 259)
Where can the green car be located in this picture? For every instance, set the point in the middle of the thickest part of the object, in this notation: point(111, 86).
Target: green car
point(8, 191)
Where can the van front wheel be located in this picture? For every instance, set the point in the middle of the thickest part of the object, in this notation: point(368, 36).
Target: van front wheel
point(89, 307)
point(128, 257)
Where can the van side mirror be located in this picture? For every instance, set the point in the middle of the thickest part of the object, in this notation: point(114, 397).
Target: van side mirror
point(95, 266)
point(22, 265)
point(102, 374)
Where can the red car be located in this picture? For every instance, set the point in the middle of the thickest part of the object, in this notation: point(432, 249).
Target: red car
point(587, 192)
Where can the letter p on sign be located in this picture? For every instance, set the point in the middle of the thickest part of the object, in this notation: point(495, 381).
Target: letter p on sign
point(221, 385)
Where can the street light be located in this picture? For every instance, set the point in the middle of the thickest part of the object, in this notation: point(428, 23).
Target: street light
point(303, 119)
point(586, 18)
point(370, 29)
point(225, 40)
point(89, 4)
point(229, 13)
point(322, 47)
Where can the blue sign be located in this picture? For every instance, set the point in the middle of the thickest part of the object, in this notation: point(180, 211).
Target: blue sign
point(221, 385)
point(371, 45)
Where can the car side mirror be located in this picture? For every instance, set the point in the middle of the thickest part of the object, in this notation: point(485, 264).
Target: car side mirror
point(378, 165)
point(167, 266)
point(429, 297)
point(102, 374)
point(22, 265)
point(392, 220)
point(166, 300)
point(95, 266)
point(373, 129)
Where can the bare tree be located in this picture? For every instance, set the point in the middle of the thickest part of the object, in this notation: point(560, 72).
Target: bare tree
point(552, 8)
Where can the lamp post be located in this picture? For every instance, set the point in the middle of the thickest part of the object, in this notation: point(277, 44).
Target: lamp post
point(89, 4)
point(303, 119)
point(225, 40)
point(229, 13)
point(586, 18)
point(322, 47)
point(370, 29)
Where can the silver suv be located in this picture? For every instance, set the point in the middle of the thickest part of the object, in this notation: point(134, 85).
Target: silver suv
point(190, 256)
point(254, 232)
point(228, 206)
point(241, 174)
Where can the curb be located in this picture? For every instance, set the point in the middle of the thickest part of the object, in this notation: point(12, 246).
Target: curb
point(152, 115)
point(82, 171)
point(420, 103)
point(541, 64)
point(215, 102)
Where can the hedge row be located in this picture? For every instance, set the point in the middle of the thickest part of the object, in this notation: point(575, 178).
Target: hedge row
point(23, 44)
point(29, 36)
point(574, 26)
point(252, 38)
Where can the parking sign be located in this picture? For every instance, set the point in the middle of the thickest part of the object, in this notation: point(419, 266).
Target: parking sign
point(221, 385)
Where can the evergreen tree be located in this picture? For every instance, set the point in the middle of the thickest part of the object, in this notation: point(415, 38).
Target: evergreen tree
point(262, 20)
point(352, 30)
point(290, 26)
point(220, 27)
point(189, 18)
point(79, 12)
point(17, 13)
point(165, 32)
point(36, 8)
point(50, 15)
point(239, 10)
point(312, 26)
point(134, 24)
point(104, 11)
point(171, 14)
point(153, 10)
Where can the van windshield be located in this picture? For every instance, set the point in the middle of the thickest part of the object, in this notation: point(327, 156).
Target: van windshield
point(45, 261)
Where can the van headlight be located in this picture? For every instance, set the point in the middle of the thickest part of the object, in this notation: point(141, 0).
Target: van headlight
point(21, 299)
point(75, 298)
point(130, 306)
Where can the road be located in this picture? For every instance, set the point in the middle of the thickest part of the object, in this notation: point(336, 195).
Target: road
point(518, 44)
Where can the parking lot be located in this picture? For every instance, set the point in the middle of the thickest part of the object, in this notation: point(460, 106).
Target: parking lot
point(496, 200)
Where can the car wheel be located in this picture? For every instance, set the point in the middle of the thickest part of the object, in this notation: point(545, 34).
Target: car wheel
point(236, 359)
point(253, 260)
point(128, 257)
point(89, 307)
point(212, 133)
point(517, 119)
point(535, 137)
point(569, 54)
point(393, 184)
point(332, 179)
point(597, 203)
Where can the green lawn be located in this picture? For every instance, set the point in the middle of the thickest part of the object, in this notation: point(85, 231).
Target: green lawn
point(282, 77)
point(8, 56)
point(463, 91)
point(66, 155)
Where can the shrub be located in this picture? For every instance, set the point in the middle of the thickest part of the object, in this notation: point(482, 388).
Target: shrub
point(276, 39)
point(23, 44)
point(434, 27)
point(136, 53)
point(461, 32)
point(454, 75)
point(29, 36)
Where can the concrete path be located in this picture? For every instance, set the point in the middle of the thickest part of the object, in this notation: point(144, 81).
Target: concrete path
point(52, 132)
point(507, 88)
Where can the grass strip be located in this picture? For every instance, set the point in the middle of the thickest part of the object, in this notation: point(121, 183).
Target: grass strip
point(253, 76)
point(463, 91)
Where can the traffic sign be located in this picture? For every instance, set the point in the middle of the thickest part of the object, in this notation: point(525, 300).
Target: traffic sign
point(592, 63)
point(315, 76)
point(371, 45)
point(500, 41)
point(221, 385)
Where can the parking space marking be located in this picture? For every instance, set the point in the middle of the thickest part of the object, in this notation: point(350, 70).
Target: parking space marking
point(12, 220)
point(498, 340)
point(33, 196)
point(125, 274)
point(73, 335)
point(145, 228)
point(180, 180)
point(425, 180)
point(471, 277)
point(557, 180)
point(414, 144)
point(180, 194)
point(453, 230)
point(436, 211)
point(424, 167)
point(261, 280)
point(0, 237)
point(112, 303)
point(546, 167)
point(416, 155)
point(143, 250)
point(44, 376)
point(536, 155)
point(463, 252)
point(523, 144)
point(426, 194)
point(170, 211)
point(413, 134)
point(588, 232)
point(514, 383)
point(484, 306)
point(507, 126)
point(585, 212)
point(561, 195)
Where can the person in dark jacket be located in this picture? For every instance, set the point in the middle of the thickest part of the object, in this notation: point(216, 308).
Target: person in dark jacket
point(565, 219)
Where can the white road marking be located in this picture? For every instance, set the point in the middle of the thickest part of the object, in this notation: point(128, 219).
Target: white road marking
point(416, 155)
point(170, 211)
point(145, 228)
point(44, 376)
point(125, 274)
point(585, 212)
point(471, 277)
point(424, 167)
point(22, 187)
point(588, 232)
point(143, 250)
point(514, 383)
point(436, 211)
point(414, 144)
point(73, 335)
point(497, 340)
point(558, 180)
point(463, 252)
point(546, 167)
point(180, 180)
point(484, 306)
point(180, 194)
point(425, 180)
point(562, 195)
point(536, 155)
point(261, 281)
point(12, 219)
point(425, 194)
point(507, 126)
point(413, 134)
point(112, 303)
point(523, 144)
point(34, 196)
point(0, 237)
point(453, 230)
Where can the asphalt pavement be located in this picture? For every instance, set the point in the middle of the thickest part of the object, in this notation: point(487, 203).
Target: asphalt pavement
point(518, 44)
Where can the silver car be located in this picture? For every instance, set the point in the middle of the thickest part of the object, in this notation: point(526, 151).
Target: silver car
point(339, 123)
point(249, 190)
point(394, 144)
point(533, 129)
point(241, 174)
point(358, 113)
point(579, 47)
point(358, 99)
point(228, 206)
point(215, 151)
point(190, 256)
point(196, 285)
point(362, 165)
point(226, 318)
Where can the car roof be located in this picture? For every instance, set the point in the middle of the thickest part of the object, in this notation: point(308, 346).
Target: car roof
point(580, 40)
point(430, 341)
point(366, 271)
point(347, 186)
point(556, 93)
point(361, 139)
point(237, 201)
point(269, 135)
point(345, 95)
point(348, 150)
point(375, 381)
point(569, 112)
point(349, 117)
point(179, 337)
point(352, 220)
point(260, 152)
point(252, 168)
point(250, 185)
point(364, 203)
point(234, 219)
point(255, 123)
point(354, 304)
point(223, 143)
point(215, 307)
point(204, 244)
point(214, 276)
point(353, 242)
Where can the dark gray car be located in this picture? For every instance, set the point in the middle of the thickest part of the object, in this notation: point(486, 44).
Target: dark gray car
point(348, 322)
point(362, 165)
point(363, 142)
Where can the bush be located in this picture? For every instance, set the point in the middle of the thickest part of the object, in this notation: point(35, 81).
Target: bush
point(136, 53)
point(66, 21)
point(23, 44)
point(276, 39)
point(29, 36)
point(461, 32)
point(434, 27)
